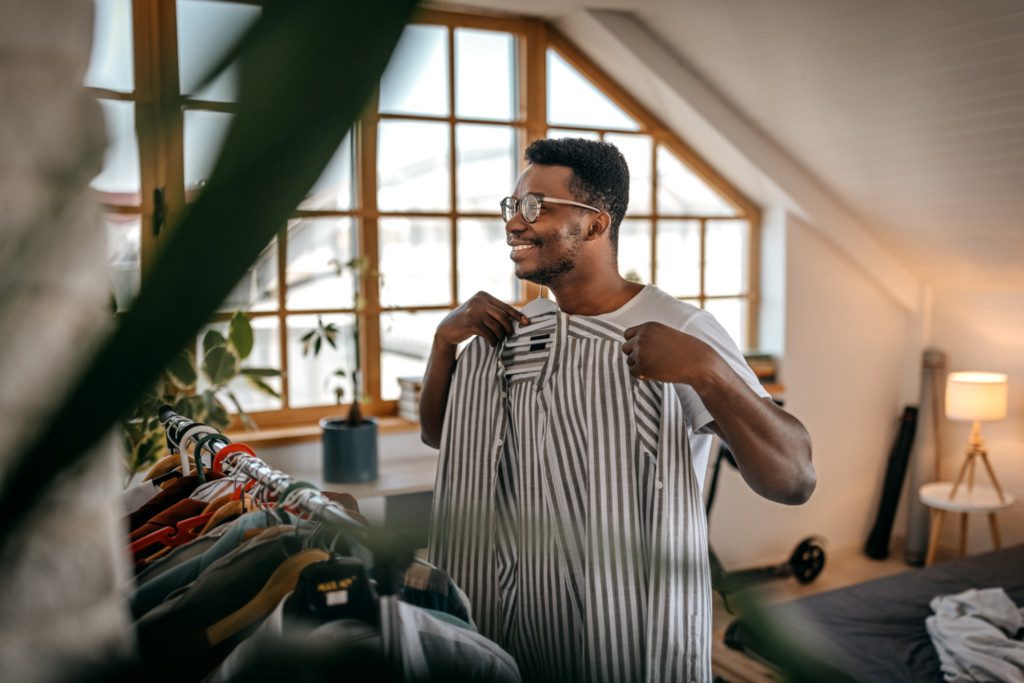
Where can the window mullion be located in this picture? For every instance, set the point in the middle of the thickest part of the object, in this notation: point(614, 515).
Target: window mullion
point(369, 247)
point(282, 318)
point(452, 175)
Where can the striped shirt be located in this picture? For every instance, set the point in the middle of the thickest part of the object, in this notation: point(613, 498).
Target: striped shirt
point(567, 507)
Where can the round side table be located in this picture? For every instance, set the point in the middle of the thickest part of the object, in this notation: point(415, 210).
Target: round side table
point(979, 499)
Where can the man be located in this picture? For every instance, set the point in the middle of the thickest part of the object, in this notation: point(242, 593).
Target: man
point(562, 227)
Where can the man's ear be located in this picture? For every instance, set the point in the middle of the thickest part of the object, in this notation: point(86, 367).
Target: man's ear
point(599, 225)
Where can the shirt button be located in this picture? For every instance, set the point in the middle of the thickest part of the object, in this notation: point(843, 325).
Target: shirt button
point(659, 484)
point(497, 444)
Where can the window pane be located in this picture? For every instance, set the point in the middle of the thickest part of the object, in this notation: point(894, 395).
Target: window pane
point(415, 261)
point(257, 290)
point(111, 65)
point(405, 340)
point(318, 250)
point(559, 133)
point(334, 190)
point(204, 136)
point(574, 100)
point(311, 379)
point(635, 250)
point(416, 80)
point(732, 314)
point(484, 262)
point(637, 150)
point(484, 74)
point(678, 270)
point(206, 32)
point(680, 191)
point(124, 235)
point(726, 257)
point(266, 353)
point(118, 182)
point(486, 157)
point(413, 166)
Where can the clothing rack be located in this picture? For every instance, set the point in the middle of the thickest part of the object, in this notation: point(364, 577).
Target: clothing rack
point(302, 495)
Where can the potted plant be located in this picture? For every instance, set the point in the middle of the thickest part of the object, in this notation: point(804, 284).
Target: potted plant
point(350, 442)
point(179, 387)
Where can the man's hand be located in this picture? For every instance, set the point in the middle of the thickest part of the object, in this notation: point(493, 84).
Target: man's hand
point(481, 315)
point(655, 351)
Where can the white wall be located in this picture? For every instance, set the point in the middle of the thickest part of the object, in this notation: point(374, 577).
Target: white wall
point(845, 353)
point(985, 331)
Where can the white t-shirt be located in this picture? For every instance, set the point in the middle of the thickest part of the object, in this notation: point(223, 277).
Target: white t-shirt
point(653, 305)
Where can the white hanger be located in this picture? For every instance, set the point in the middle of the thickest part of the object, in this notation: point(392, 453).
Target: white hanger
point(539, 306)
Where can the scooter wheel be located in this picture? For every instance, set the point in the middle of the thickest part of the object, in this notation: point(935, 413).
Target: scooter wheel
point(807, 560)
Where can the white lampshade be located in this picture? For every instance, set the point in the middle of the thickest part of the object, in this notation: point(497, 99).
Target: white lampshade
point(978, 396)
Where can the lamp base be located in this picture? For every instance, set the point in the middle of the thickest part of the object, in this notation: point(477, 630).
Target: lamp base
point(975, 451)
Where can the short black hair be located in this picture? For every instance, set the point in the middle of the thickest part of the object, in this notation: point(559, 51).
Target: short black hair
point(600, 176)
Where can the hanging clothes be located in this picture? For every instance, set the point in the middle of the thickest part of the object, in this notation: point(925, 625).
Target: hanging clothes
point(567, 507)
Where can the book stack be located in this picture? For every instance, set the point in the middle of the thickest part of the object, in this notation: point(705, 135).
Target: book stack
point(409, 398)
point(764, 366)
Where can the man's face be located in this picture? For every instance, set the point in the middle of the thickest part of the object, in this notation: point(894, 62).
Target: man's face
point(550, 247)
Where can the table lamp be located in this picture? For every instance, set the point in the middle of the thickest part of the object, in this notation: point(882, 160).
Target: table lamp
point(976, 397)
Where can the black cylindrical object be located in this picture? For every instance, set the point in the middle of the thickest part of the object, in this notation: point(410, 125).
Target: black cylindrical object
point(349, 451)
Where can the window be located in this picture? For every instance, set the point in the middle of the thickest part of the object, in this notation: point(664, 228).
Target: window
point(410, 197)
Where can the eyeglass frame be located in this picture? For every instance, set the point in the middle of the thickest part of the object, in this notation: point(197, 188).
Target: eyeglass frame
point(519, 204)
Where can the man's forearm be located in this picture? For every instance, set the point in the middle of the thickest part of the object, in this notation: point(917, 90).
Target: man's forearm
point(434, 395)
point(771, 447)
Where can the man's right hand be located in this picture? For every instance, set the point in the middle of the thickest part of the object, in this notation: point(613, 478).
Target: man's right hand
point(481, 315)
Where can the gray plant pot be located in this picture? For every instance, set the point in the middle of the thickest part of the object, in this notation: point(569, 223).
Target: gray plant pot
point(349, 453)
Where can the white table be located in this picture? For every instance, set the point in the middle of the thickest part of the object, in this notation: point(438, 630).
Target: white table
point(978, 499)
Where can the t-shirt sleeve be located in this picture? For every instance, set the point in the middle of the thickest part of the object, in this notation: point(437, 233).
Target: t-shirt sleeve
point(704, 326)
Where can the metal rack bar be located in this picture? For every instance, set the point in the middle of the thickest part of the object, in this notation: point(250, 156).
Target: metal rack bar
point(308, 500)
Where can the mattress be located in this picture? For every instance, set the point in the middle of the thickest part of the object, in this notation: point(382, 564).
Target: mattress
point(875, 630)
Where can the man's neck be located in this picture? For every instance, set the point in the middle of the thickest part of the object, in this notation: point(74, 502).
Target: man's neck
point(593, 295)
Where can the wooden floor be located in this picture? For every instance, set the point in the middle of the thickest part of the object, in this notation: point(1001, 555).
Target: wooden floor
point(842, 568)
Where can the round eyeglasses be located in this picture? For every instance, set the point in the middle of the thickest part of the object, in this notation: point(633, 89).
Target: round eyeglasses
point(530, 206)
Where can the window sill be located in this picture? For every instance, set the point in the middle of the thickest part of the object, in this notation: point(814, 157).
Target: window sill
point(301, 433)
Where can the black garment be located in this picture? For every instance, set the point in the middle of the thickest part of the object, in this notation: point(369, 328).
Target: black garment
point(175, 631)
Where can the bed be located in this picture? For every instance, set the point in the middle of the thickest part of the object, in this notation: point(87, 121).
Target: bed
point(876, 630)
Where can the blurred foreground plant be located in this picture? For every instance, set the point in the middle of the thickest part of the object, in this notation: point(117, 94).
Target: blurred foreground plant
point(307, 69)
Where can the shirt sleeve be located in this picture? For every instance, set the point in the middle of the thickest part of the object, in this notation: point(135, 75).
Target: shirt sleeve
point(704, 326)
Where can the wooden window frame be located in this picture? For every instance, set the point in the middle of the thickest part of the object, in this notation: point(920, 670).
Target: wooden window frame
point(160, 112)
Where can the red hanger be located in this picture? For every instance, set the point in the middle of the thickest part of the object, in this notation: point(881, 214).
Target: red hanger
point(218, 460)
point(172, 536)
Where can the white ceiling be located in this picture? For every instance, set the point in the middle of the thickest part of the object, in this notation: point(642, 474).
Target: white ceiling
point(910, 112)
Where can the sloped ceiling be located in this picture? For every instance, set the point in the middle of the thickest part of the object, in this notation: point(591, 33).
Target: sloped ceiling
point(910, 112)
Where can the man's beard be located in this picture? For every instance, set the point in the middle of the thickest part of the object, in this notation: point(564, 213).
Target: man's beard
point(545, 274)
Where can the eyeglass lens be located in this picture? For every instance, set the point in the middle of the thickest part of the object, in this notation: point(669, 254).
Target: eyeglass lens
point(529, 205)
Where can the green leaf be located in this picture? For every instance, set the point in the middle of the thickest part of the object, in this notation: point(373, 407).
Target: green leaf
point(220, 365)
point(309, 335)
point(307, 70)
point(263, 386)
point(240, 332)
point(182, 370)
point(213, 339)
point(261, 372)
point(218, 416)
point(316, 345)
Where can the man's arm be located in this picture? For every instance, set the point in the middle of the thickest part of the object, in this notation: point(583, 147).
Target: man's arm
point(481, 315)
point(771, 447)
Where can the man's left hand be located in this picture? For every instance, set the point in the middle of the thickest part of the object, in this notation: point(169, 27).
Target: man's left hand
point(655, 351)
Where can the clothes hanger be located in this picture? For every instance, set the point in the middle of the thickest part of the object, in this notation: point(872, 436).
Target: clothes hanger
point(280, 583)
point(197, 429)
point(207, 442)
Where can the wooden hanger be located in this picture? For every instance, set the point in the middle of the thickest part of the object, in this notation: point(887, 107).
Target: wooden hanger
point(280, 583)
